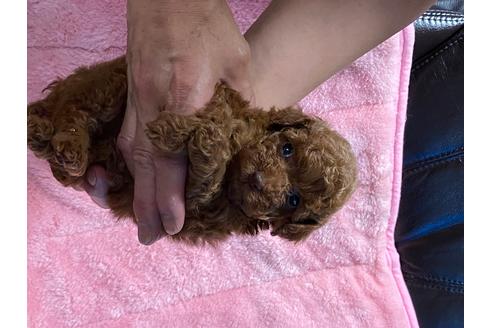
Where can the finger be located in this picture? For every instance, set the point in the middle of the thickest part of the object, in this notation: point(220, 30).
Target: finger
point(149, 224)
point(170, 190)
point(297, 106)
point(78, 187)
point(96, 185)
point(127, 136)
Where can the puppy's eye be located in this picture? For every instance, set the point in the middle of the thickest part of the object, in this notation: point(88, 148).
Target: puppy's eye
point(287, 150)
point(293, 199)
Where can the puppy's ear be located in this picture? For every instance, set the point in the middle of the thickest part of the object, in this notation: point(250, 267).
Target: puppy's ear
point(295, 231)
point(225, 95)
point(220, 93)
point(40, 130)
point(289, 117)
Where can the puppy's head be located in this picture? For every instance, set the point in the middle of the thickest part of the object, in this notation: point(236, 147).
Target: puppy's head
point(295, 176)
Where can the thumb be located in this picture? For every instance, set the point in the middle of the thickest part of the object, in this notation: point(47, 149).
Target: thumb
point(96, 185)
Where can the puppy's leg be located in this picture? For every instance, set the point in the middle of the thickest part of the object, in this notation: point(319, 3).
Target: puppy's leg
point(88, 108)
point(71, 141)
point(39, 130)
point(170, 132)
point(208, 153)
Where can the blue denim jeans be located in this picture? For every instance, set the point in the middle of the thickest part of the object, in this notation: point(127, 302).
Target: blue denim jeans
point(429, 231)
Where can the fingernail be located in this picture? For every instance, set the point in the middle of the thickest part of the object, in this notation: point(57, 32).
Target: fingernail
point(145, 237)
point(101, 202)
point(92, 178)
point(170, 226)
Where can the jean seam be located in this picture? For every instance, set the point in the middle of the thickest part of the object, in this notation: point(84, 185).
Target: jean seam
point(439, 51)
point(453, 290)
point(434, 161)
point(432, 282)
point(432, 278)
point(456, 151)
point(410, 173)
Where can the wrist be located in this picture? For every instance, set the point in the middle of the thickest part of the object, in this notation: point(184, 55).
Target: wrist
point(171, 18)
point(174, 7)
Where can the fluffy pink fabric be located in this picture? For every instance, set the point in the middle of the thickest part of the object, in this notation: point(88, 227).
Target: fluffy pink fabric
point(87, 270)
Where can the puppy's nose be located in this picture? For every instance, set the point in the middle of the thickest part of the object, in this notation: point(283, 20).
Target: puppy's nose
point(256, 180)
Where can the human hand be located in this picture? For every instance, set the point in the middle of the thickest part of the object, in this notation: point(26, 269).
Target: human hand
point(177, 52)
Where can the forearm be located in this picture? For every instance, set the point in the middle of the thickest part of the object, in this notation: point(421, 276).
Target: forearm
point(296, 44)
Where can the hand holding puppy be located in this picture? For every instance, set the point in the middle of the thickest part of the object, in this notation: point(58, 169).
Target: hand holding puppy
point(177, 51)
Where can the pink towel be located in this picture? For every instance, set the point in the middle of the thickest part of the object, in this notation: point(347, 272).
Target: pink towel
point(85, 269)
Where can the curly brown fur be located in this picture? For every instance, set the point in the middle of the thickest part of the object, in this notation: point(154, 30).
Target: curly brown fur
point(249, 169)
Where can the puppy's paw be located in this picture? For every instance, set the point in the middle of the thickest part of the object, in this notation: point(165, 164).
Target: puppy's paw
point(62, 176)
point(39, 134)
point(70, 150)
point(170, 132)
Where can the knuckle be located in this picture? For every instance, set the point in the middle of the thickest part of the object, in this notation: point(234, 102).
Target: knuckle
point(124, 143)
point(141, 71)
point(181, 86)
point(141, 77)
point(142, 206)
point(144, 88)
point(243, 55)
point(147, 80)
point(143, 212)
point(143, 158)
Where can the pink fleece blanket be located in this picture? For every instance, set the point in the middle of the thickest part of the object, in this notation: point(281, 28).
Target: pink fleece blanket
point(86, 270)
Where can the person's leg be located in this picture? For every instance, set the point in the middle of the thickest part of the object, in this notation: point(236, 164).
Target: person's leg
point(429, 231)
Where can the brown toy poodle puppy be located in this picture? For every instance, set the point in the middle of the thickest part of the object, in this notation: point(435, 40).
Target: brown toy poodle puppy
point(249, 169)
